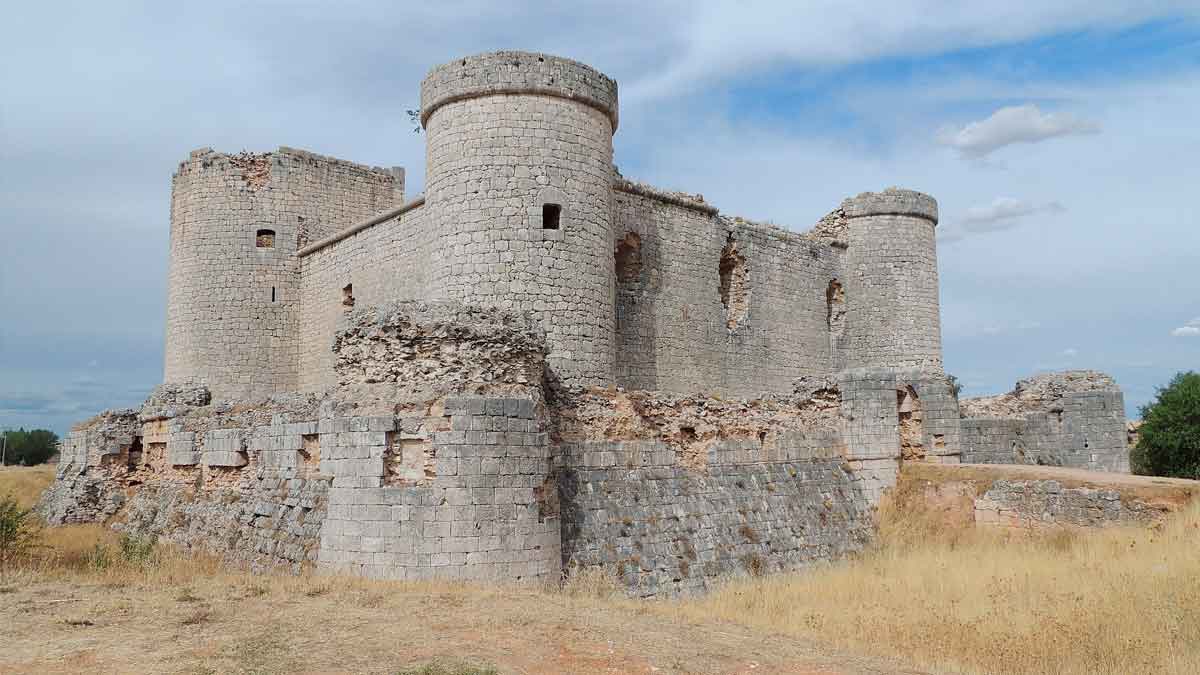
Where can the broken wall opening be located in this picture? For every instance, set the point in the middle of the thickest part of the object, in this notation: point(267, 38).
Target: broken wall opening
point(912, 430)
point(310, 453)
point(734, 284)
point(628, 261)
point(408, 460)
point(133, 456)
point(348, 297)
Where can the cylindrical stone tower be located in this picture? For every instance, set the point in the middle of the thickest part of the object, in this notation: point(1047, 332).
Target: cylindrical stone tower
point(893, 317)
point(233, 283)
point(519, 187)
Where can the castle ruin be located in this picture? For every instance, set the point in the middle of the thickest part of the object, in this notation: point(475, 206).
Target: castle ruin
point(539, 365)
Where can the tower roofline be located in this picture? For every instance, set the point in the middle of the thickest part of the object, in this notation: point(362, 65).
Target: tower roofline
point(514, 72)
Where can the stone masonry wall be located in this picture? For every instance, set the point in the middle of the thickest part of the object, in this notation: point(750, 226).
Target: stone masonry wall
point(662, 528)
point(1072, 418)
point(507, 135)
point(414, 500)
point(382, 264)
point(716, 305)
point(893, 318)
point(233, 286)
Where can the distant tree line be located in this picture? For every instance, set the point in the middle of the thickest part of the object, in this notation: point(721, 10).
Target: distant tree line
point(28, 448)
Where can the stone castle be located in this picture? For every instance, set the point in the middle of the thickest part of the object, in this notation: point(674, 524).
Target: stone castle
point(540, 366)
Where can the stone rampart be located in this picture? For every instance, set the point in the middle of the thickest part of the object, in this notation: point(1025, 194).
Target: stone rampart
point(1038, 498)
point(1072, 418)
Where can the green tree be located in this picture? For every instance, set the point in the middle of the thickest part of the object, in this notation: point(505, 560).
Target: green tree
point(29, 447)
point(1169, 438)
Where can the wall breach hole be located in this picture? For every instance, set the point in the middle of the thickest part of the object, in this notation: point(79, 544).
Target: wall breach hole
point(408, 461)
point(310, 453)
point(133, 456)
point(628, 260)
point(735, 284)
point(264, 239)
point(835, 307)
point(912, 431)
point(551, 215)
point(348, 296)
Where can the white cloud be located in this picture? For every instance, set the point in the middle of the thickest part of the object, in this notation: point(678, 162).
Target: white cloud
point(1013, 124)
point(1003, 213)
point(1189, 329)
point(713, 41)
point(1070, 352)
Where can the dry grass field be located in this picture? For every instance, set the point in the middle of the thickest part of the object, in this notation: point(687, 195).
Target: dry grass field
point(1117, 601)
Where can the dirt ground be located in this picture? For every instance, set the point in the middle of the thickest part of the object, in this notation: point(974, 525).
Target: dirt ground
point(311, 626)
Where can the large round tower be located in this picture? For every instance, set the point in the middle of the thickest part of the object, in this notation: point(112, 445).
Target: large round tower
point(892, 317)
point(519, 186)
point(233, 282)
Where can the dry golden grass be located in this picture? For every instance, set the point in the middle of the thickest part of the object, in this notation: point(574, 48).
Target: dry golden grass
point(1117, 601)
point(25, 483)
point(988, 601)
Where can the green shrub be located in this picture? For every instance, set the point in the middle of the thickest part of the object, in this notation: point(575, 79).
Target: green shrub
point(1169, 438)
point(18, 531)
point(139, 550)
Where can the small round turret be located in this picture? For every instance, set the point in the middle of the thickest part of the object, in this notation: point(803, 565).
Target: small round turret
point(893, 318)
point(519, 188)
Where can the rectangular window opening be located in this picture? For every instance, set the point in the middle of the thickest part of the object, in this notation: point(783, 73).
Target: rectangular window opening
point(550, 216)
point(264, 239)
point(272, 294)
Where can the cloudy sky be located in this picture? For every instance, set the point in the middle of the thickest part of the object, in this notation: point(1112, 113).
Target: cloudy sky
point(1060, 139)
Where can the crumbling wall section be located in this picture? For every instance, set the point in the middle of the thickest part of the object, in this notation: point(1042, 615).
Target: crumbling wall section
point(442, 345)
point(229, 480)
point(673, 493)
point(1072, 418)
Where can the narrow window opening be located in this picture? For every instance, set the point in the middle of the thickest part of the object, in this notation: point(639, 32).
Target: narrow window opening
point(272, 294)
point(348, 296)
point(551, 213)
point(265, 239)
